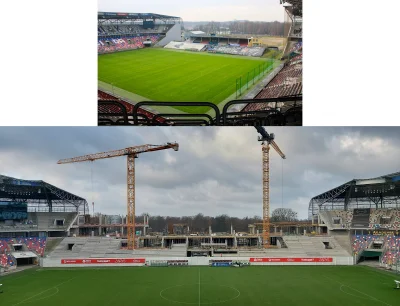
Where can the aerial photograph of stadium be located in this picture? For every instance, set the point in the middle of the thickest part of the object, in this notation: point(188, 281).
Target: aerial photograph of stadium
point(185, 63)
point(200, 216)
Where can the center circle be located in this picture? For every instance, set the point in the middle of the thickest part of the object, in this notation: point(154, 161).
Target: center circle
point(203, 294)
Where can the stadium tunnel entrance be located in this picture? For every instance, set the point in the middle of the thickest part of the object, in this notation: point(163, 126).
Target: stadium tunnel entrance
point(25, 258)
point(197, 253)
point(370, 256)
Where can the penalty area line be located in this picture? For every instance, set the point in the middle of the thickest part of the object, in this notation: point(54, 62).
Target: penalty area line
point(371, 297)
point(199, 286)
point(44, 291)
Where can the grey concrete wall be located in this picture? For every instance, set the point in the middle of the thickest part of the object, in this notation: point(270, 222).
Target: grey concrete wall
point(173, 34)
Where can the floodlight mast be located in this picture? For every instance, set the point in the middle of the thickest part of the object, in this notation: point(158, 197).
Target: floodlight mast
point(266, 140)
point(131, 153)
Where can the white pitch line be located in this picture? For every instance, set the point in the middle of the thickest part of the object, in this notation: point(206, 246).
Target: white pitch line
point(44, 291)
point(199, 287)
point(371, 297)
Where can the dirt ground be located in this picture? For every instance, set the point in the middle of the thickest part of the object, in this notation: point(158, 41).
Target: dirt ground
point(273, 41)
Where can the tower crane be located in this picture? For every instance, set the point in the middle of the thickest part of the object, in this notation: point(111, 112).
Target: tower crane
point(131, 153)
point(266, 141)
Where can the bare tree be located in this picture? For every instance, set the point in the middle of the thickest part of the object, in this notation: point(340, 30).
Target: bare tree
point(283, 214)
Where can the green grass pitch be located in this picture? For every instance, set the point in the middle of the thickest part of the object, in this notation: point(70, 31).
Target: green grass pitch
point(247, 286)
point(164, 75)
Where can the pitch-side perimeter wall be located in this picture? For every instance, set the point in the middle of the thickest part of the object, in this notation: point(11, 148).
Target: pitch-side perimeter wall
point(193, 261)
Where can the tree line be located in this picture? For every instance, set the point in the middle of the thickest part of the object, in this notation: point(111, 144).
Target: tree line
point(222, 223)
point(274, 28)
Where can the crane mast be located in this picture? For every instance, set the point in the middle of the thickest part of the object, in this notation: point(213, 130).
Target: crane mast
point(131, 153)
point(267, 141)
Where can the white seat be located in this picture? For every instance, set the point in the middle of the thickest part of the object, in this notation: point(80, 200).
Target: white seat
point(398, 284)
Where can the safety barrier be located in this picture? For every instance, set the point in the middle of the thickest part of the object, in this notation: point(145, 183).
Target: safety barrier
point(193, 261)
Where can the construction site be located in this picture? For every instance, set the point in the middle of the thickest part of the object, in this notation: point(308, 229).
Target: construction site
point(55, 227)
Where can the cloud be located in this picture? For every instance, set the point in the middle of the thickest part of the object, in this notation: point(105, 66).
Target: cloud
point(216, 170)
point(206, 10)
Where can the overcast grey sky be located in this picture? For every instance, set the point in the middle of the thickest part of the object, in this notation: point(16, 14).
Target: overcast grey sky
point(216, 171)
point(204, 10)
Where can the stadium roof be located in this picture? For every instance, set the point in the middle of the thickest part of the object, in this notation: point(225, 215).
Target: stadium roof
point(197, 32)
point(31, 191)
point(111, 15)
point(382, 191)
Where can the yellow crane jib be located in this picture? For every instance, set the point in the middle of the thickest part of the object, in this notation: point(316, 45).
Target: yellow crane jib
point(131, 153)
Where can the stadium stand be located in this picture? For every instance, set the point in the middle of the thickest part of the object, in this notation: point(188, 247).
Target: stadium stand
point(363, 242)
point(7, 260)
point(127, 26)
point(237, 50)
point(385, 218)
point(3, 260)
point(376, 219)
point(391, 250)
point(130, 29)
point(34, 244)
point(314, 246)
point(98, 247)
point(109, 45)
point(178, 45)
point(288, 82)
point(115, 111)
point(4, 247)
point(337, 218)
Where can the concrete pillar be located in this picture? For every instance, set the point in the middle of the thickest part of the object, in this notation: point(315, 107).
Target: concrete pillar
point(281, 232)
point(162, 242)
point(235, 242)
point(275, 229)
point(187, 241)
point(297, 230)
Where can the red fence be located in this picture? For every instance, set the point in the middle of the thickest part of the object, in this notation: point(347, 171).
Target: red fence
point(89, 261)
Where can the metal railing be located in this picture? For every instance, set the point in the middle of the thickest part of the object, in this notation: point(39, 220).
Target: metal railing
point(276, 111)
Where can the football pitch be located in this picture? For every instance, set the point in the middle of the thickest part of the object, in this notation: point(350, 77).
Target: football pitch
point(179, 76)
point(245, 286)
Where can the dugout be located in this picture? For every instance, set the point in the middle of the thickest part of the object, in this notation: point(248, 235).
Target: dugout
point(198, 253)
point(147, 43)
